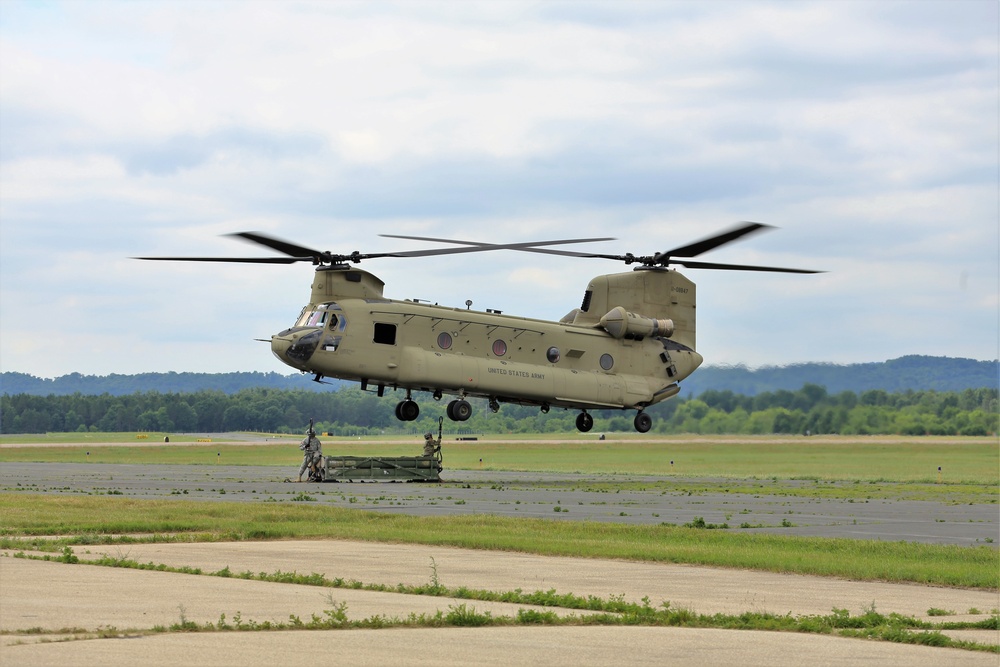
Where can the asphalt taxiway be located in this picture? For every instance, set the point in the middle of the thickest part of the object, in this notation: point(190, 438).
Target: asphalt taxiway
point(771, 506)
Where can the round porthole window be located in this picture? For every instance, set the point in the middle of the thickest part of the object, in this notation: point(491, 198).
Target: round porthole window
point(444, 340)
point(552, 354)
point(499, 347)
point(607, 361)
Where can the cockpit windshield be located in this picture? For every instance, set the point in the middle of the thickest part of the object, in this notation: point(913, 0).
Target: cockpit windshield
point(323, 315)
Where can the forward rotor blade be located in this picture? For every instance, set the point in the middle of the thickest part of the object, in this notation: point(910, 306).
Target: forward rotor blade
point(295, 250)
point(299, 253)
point(238, 260)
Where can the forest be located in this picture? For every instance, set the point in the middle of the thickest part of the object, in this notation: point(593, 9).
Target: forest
point(351, 411)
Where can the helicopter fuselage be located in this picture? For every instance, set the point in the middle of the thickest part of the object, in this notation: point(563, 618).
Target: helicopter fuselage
point(350, 331)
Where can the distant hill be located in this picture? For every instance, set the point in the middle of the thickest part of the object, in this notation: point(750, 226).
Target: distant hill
point(905, 373)
point(165, 383)
point(912, 372)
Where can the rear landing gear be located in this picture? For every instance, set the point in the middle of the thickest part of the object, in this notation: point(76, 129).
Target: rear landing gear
point(643, 422)
point(584, 422)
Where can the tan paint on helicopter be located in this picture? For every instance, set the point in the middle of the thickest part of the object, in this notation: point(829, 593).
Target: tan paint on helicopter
point(654, 293)
point(522, 373)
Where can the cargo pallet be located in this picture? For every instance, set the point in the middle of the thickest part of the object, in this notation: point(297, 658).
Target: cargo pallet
point(383, 468)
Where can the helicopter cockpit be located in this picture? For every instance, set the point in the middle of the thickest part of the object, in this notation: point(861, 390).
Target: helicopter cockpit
point(328, 315)
point(319, 327)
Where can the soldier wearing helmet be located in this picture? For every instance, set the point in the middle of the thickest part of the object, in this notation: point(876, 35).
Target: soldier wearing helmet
point(312, 453)
point(431, 446)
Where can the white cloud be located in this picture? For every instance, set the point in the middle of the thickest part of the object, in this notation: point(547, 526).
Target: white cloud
point(867, 131)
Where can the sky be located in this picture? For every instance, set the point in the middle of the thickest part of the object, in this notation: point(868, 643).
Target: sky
point(866, 132)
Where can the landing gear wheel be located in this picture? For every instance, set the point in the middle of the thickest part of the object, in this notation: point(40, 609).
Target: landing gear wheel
point(459, 410)
point(407, 411)
point(584, 422)
point(643, 422)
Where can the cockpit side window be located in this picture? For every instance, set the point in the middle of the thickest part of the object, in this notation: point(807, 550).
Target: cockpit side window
point(322, 315)
point(337, 320)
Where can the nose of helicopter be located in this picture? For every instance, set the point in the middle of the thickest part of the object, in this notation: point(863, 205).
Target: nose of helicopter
point(279, 348)
point(295, 349)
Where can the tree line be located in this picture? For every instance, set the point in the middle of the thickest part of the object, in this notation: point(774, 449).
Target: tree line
point(351, 411)
point(914, 372)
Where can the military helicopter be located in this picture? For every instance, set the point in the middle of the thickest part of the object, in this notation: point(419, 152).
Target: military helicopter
point(628, 346)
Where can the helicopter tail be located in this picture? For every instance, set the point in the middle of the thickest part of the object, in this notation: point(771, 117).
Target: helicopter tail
point(646, 302)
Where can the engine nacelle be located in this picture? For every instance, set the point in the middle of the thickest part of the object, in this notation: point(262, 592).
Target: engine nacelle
point(620, 323)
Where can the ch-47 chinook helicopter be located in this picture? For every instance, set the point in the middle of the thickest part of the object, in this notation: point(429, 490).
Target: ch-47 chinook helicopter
point(626, 347)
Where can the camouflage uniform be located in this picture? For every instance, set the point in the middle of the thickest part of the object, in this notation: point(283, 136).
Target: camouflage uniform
point(312, 451)
point(431, 446)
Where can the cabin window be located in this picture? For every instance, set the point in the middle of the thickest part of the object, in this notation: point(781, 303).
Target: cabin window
point(385, 334)
point(552, 354)
point(444, 340)
point(499, 347)
point(607, 361)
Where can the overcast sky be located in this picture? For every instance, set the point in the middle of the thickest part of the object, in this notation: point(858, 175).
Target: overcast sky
point(866, 131)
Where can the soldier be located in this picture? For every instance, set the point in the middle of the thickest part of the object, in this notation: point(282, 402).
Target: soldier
point(312, 452)
point(431, 446)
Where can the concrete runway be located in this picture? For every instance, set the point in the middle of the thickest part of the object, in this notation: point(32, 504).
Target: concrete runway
point(539, 495)
point(49, 596)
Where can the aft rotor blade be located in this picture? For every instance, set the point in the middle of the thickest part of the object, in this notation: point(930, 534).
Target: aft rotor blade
point(689, 263)
point(280, 245)
point(690, 250)
point(693, 264)
point(712, 242)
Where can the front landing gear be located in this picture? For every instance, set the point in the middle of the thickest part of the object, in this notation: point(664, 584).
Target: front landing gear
point(459, 410)
point(407, 411)
point(584, 422)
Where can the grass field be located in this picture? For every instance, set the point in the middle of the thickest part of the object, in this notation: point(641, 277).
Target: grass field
point(897, 459)
point(842, 467)
point(94, 519)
